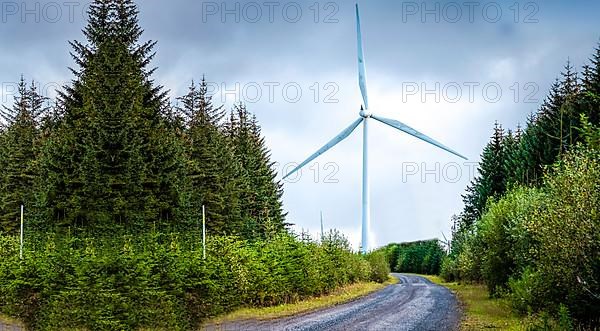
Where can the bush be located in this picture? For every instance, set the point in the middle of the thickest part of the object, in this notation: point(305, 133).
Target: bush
point(449, 270)
point(506, 245)
point(468, 262)
point(162, 281)
point(380, 269)
point(542, 244)
point(567, 231)
point(525, 290)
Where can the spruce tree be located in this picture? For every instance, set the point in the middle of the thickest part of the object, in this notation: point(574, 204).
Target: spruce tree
point(18, 154)
point(559, 115)
point(261, 195)
point(590, 89)
point(529, 152)
point(552, 130)
point(112, 162)
point(471, 211)
point(492, 181)
point(214, 173)
point(511, 157)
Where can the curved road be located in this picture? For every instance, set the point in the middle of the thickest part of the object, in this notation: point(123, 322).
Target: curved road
point(414, 303)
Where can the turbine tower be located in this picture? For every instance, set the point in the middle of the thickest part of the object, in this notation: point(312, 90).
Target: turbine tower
point(365, 116)
point(322, 232)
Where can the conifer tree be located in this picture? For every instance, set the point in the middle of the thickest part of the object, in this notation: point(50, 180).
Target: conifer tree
point(529, 169)
point(511, 157)
point(559, 115)
point(112, 162)
point(261, 196)
point(214, 173)
point(18, 154)
point(590, 89)
point(492, 180)
point(523, 157)
point(552, 130)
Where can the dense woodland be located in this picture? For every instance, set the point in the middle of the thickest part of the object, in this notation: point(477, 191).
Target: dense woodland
point(113, 178)
point(114, 154)
point(419, 257)
point(529, 228)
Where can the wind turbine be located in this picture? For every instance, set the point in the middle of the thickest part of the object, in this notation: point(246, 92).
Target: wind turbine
point(365, 116)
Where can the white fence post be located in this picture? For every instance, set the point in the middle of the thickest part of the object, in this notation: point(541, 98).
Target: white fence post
point(203, 233)
point(21, 247)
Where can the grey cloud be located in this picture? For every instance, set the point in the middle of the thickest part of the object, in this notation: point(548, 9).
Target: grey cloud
point(398, 49)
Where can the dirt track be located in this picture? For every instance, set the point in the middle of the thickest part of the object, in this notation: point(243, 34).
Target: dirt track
point(413, 304)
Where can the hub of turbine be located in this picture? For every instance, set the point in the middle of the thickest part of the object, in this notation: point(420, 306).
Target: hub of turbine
point(364, 113)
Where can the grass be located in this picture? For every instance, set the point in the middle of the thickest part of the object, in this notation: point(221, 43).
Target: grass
point(481, 311)
point(342, 295)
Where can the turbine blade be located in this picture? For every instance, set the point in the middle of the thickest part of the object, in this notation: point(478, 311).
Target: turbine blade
point(343, 135)
point(405, 128)
point(362, 74)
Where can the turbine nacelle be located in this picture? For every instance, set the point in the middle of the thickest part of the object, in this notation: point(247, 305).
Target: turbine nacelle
point(364, 113)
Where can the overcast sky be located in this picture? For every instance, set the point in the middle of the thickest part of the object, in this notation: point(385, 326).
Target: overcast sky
point(448, 68)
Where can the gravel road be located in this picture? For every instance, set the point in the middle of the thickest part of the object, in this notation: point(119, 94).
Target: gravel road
point(414, 303)
point(6, 327)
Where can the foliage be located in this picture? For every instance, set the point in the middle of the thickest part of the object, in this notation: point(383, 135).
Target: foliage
point(379, 266)
point(162, 281)
point(113, 179)
point(505, 243)
point(535, 239)
point(484, 312)
point(524, 289)
point(489, 184)
point(542, 244)
point(423, 257)
point(216, 177)
point(19, 149)
point(262, 193)
point(341, 295)
point(568, 234)
point(114, 156)
point(520, 157)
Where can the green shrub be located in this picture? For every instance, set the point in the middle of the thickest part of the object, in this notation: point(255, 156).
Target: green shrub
point(449, 270)
point(525, 290)
point(544, 242)
point(505, 244)
point(162, 281)
point(380, 269)
point(564, 319)
point(468, 262)
point(567, 231)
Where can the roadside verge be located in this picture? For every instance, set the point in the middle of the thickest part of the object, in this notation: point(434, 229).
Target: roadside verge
point(479, 310)
point(342, 295)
